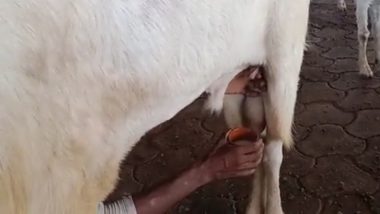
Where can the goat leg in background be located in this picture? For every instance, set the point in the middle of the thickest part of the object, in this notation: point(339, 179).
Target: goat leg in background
point(363, 34)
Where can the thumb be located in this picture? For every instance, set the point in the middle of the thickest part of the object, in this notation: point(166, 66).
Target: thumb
point(221, 142)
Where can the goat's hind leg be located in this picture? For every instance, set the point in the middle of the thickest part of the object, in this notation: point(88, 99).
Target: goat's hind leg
point(285, 49)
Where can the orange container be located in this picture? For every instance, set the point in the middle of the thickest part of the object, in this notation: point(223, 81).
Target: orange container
point(241, 133)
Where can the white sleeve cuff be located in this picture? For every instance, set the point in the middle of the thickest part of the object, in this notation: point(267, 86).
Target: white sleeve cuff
point(123, 206)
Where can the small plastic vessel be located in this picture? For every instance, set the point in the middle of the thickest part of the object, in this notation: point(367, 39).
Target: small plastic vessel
point(235, 135)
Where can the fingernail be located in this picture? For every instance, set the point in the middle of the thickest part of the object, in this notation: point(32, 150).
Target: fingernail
point(252, 75)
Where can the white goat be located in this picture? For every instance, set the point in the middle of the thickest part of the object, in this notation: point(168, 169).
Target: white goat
point(81, 81)
point(366, 9)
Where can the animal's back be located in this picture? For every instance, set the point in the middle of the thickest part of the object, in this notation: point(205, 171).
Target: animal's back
point(81, 81)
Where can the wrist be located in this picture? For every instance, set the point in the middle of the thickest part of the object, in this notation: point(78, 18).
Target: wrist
point(202, 173)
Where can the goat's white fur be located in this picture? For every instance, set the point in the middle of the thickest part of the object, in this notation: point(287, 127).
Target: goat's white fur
point(81, 81)
point(366, 9)
point(282, 73)
point(342, 4)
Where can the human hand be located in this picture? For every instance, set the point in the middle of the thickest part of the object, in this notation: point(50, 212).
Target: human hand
point(229, 160)
point(239, 82)
point(250, 82)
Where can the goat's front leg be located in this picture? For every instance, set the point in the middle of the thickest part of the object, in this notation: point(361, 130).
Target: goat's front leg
point(363, 34)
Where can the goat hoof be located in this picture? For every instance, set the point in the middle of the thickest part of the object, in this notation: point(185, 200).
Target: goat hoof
point(370, 75)
point(367, 74)
point(366, 71)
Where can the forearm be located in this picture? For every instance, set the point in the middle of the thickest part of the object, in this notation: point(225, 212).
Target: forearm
point(166, 196)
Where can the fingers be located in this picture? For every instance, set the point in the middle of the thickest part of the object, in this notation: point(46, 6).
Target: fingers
point(233, 174)
point(240, 81)
point(234, 160)
point(256, 85)
point(248, 75)
point(248, 165)
point(249, 72)
point(220, 144)
point(244, 156)
point(254, 73)
point(246, 146)
point(244, 169)
point(250, 81)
